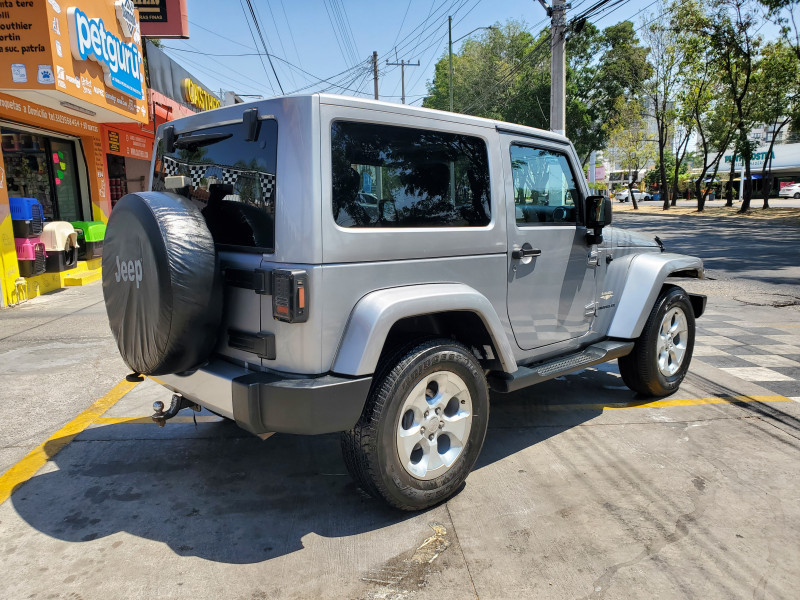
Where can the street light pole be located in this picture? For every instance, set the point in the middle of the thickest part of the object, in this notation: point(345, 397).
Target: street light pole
point(450, 53)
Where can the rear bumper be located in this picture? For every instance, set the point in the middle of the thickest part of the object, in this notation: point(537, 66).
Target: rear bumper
point(266, 402)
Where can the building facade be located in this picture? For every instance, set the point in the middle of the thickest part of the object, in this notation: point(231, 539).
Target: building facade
point(77, 120)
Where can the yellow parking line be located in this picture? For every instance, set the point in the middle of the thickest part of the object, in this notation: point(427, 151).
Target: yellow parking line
point(137, 420)
point(38, 457)
point(668, 403)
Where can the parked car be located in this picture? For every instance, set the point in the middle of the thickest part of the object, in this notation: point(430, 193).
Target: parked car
point(283, 295)
point(790, 191)
point(624, 195)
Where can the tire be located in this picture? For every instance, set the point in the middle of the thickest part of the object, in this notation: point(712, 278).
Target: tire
point(162, 284)
point(658, 363)
point(796, 196)
point(389, 451)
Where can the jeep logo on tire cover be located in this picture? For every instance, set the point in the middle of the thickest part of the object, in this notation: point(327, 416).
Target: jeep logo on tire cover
point(129, 271)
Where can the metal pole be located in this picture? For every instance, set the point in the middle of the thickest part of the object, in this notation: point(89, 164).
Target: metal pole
point(375, 71)
point(450, 58)
point(403, 64)
point(558, 71)
point(402, 81)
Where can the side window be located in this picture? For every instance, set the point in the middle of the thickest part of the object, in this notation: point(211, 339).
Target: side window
point(232, 181)
point(544, 187)
point(387, 176)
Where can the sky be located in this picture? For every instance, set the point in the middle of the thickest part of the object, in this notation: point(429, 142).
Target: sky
point(327, 45)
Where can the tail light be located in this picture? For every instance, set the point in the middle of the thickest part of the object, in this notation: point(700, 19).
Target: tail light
point(290, 295)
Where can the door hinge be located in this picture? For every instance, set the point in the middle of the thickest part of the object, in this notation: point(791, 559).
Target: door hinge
point(594, 258)
point(590, 310)
point(259, 280)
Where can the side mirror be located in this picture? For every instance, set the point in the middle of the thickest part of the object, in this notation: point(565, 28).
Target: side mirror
point(598, 215)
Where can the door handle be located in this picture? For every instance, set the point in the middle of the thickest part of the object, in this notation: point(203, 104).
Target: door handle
point(527, 251)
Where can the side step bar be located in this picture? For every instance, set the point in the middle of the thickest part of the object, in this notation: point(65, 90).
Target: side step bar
point(525, 376)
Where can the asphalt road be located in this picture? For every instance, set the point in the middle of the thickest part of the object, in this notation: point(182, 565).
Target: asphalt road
point(583, 489)
point(741, 257)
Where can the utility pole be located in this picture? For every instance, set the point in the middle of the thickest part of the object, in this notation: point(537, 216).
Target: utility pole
point(375, 71)
point(403, 64)
point(450, 58)
point(558, 69)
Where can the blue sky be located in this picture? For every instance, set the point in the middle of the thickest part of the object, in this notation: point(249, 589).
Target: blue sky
point(334, 40)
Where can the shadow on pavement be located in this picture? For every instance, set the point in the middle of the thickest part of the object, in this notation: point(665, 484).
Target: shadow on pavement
point(220, 494)
point(757, 251)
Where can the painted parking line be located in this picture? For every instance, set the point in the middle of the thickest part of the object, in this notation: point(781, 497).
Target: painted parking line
point(558, 407)
point(38, 457)
point(142, 420)
point(665, 403)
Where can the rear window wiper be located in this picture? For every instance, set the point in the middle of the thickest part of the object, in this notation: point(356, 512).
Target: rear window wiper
point(201, 139)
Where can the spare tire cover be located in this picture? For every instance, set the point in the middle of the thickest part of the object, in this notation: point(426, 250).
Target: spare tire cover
point(161, 283)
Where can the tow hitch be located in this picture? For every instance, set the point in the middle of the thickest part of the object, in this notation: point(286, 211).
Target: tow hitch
point(178, 403)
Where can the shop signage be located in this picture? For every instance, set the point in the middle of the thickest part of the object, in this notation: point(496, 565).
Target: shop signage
point(163, 18)
point(83, 55)
point(121, 61)
point(783, 156)
point(197, 96)
point(127, 140)
point(173, 81)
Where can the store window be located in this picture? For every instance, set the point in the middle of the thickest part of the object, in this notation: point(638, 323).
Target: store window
point(45, 168)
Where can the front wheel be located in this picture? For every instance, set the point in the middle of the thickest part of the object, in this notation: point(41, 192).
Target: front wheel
point(423, 426)
point(662, 353)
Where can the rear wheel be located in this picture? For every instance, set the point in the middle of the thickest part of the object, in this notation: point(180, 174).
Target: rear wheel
point(662, 353)
point(423, 426)
point(797, 195)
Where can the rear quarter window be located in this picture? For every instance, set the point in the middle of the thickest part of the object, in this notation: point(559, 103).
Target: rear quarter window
point(389, 176)
point(230, 180)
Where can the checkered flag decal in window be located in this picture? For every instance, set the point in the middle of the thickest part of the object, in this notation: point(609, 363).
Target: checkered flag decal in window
point(226, 174)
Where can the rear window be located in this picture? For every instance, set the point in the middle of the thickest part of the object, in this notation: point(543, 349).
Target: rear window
point(388, 176)
point(232, 181)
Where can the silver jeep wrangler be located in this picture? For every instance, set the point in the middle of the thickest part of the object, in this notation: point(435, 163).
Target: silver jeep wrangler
point(316, 264)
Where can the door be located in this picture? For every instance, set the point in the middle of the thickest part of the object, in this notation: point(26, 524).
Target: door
point(551, 268)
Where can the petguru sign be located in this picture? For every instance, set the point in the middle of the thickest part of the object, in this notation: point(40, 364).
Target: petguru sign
point(90, 40)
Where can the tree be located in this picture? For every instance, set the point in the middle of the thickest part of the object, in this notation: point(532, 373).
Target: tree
point(732, 35)
point(786, 14)
point(629, 141)
point(505, 75)
point(665, 59)
point(776, 89)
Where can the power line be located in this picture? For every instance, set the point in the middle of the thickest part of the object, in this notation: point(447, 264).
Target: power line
point(280, 38)
point(291, 33)
point(453, 8)
point(261, 60)
point(263, 42)
point(254, 52)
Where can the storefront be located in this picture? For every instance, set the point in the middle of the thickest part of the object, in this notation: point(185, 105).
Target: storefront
point(65, 70)
point(174, 93)
point(783, 167)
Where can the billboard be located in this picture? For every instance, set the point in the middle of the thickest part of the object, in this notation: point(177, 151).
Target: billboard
point(86, 59)
point(163, 18)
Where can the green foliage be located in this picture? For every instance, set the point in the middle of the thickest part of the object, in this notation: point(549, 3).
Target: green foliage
point(505, 74)
point(629, 142)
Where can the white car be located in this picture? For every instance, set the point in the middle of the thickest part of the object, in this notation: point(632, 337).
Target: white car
point(790, 191)
point(624, 196)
